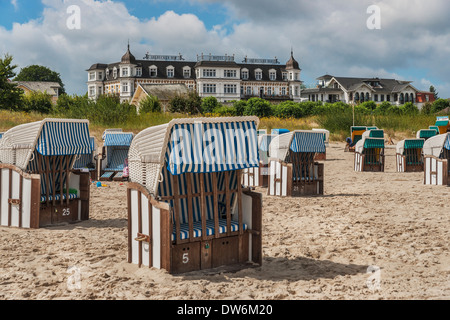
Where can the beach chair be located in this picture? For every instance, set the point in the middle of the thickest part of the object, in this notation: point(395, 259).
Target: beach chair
point(326, 139)
point(436, 151)
point(88, 162)
point(356, 133)
point(409, 155)
point(278, 132)
point(258, 177)
point(443, 124)
point(426, 134)
point(369, 152)
point(292, 168)
point(114, 154)
point(187, 209)
point(38, 185)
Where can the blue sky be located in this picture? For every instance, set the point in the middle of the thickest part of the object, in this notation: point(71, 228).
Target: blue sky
point(327, 36)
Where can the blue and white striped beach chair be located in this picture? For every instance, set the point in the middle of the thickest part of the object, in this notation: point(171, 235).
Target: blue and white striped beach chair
point(38, 185)
point(292, 168)
point(187, 208)
point(115, 153)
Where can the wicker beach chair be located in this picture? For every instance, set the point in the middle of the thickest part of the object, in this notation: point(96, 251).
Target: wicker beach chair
point(187, 209)
point(292, 168)
point(114, 154)
point(369, 152)
point(38, 185)
point(88, 162)
point(426, 134)
point(436, 151)
point(258, 177)
point(409, 155)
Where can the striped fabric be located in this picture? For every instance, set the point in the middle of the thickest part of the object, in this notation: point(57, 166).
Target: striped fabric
point(64, 138)
point(279, 131)
point(425, 134)
point(116, 158)
point(414, 143)
point(375, 133)
point(210, 229)
point(118, 139)
point(308, 142)
point(434, 128)
point(107, 175)
point(72, 196)
point(373, 143)
point(264, 143)
point(441, 123)
point(447, 143)
point(166, 189)
point(212, 147)
point(85, 159)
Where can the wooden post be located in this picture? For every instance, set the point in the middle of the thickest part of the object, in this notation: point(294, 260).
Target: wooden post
point(203, 205)
point(216, 204)
point(190, 205)
point(176, 206)
point(228, 200)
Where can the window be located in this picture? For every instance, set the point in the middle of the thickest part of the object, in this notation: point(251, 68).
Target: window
point(100, 75)
point(91, 91)
point(229, 74)
point(125, 87)
point(138, 72)
point(249, 91)
point(229, 88)
point(91, 76)
point(153, 72)
point(388, 98)
point(273, 75)
point(209, 88)
point(269, 91)
point(187, 72)
point(107, 72)
point(296, 76)
point(115, 73)
point(283, 91)
point(245, 74)
point(285, 76)
point(209, 73)
point(258, 75)
point(382, 97)
point(375, 98)
point(170, 72)
point(124, 72)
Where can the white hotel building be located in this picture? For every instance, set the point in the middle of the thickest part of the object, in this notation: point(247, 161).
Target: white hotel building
point(218, 76)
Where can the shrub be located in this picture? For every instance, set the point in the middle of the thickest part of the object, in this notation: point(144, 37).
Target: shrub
point(209, 104)
point(239, 107)
point(258, 107)
point(37, 102)
point(409, 108)
point(288, 109)
point(177, 104)
point(224, 111)
point(150, 104)
point(369, 105)
point(382, 109)
point(440, 105)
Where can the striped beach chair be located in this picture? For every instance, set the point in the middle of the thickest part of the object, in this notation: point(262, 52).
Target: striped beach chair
point(292, 168)
point(187, 208)
point(436, 151)
point(356, 133)
point(114, 154)
point(38, 185)
point(409, 155)
point(326, 139)
point(443, 124)
point(369, 152)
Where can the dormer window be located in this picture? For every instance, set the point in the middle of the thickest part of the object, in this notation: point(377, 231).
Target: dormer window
point(115, 73)
point(153, 71)
point(285, 76)
point(244, 73)
point(273, 75)
point(258, 74)
point(91, 76)
point(100, 75)
point(138, 72)
point(186, 72)
point(170, 72)
point(107, 72)
point(124, 72)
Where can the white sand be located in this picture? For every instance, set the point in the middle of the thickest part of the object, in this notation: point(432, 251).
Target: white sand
point(314, 247)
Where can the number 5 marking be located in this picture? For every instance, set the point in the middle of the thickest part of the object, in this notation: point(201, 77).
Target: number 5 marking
point(186, 258)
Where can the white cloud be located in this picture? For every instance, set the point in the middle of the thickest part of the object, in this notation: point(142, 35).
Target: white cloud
point(15, 4)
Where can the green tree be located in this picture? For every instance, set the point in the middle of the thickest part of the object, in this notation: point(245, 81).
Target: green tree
point(10, 95)
point(439, 105)
point(150, 104)
point(240, 106)
point(40, 73)
point(209, 104)
point(436, 94)
point(37, 102)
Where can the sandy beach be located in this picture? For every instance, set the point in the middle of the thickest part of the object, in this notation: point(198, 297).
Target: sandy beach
point(313, 247)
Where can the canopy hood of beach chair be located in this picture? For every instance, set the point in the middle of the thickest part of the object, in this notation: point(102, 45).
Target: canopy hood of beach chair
point(410, 144)
point(49, 137)
point(436, 144)
point(297, 141)
point(118, 139)
point(195, 145)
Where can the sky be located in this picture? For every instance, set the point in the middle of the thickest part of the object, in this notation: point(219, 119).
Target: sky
point(400, 39)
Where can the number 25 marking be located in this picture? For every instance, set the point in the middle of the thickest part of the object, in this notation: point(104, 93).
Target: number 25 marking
point(66, 212)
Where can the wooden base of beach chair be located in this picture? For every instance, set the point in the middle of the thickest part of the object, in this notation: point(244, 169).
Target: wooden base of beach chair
point(436, 171)
point(150, 242)
point(360, 164)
